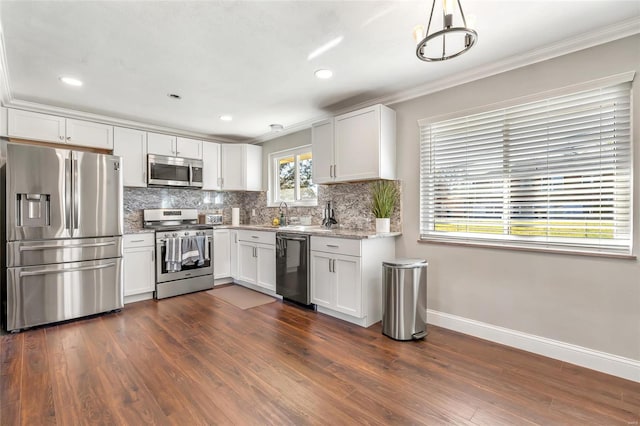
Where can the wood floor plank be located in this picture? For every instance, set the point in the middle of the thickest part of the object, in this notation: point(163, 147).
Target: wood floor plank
point(194, 359)
point(11, 349)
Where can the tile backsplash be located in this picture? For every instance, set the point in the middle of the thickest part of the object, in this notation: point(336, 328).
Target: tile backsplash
point(137, 199)
point(351, 203)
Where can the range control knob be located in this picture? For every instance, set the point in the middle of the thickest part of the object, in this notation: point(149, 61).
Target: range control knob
point(167, 235)
point(175, 234)
point(186, 233)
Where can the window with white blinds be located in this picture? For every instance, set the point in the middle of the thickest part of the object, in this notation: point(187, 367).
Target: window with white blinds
point(552, 174)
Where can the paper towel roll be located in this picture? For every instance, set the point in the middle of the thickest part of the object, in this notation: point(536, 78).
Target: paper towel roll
point(235, 216)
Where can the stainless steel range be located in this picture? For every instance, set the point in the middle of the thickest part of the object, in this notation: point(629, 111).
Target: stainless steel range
point(184, 251)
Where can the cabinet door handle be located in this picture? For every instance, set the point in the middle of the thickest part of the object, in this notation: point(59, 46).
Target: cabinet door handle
point(333, 246)
point(335, 171)
point(153, 256)
point(68, 138)
point(61, 137)
point(255, 236)
point(137, 241)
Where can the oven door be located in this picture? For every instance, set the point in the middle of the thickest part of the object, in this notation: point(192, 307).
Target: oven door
point(186, 271)
point(168, 171)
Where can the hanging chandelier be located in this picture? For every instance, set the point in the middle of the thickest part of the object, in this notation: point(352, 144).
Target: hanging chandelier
point(455, 39)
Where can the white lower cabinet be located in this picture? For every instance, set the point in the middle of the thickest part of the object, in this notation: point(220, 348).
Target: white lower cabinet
point(338, 282)
point(139, 267)
point(233, 253)
point(346, 277)
point(257, 259)
point(266, 277)
point(221, 254)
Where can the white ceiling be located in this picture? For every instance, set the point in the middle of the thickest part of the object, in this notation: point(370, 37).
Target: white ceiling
point(250, 59)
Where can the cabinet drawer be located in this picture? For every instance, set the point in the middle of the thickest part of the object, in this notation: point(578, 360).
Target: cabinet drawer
point(264, 237)
point(139, 240)
point(345, 246)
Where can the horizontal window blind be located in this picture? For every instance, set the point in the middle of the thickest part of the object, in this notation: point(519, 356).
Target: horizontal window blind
point(551, 173)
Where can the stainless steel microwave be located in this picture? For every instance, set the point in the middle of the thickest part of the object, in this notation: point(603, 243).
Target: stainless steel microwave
point(174, 171)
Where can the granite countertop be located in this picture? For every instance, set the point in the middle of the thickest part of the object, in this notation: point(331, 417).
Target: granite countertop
point(317, 231)
point(129, 231)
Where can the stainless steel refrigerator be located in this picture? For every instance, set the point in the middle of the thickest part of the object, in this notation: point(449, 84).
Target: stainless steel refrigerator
point(63, 236)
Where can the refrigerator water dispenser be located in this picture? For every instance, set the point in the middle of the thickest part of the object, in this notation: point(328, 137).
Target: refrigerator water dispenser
point(33, 210)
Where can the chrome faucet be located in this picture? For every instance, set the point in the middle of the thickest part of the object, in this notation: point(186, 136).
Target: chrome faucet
point(286, 214)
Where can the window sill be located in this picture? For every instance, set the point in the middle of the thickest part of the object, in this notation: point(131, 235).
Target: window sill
point(512, 247)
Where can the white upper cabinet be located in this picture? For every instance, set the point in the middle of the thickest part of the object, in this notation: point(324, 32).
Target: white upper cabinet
point(50, 128)
point(131, 145)
point(188, 148)
point(211, 178)
point(241, 166)
point(173, 146)
point(35, 126)
point(322, 148)
point(86, 133)
point(160, 144)
point(360, 145)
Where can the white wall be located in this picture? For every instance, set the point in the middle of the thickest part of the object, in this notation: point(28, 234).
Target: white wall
point(593, 302)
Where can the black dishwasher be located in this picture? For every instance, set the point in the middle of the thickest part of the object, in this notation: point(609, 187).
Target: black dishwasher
point(293, 281)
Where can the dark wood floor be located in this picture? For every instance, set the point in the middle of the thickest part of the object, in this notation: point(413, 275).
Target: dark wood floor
point(195, 360)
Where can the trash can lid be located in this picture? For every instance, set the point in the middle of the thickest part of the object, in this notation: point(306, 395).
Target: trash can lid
point(405, 263)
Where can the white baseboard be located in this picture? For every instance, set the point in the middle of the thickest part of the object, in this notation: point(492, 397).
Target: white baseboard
point(600, 361)
point(138, 297)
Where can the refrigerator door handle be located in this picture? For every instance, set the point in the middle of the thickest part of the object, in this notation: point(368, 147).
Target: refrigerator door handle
point(62, 270)
point(33, 248)
point(76, 195)
point(67, 193)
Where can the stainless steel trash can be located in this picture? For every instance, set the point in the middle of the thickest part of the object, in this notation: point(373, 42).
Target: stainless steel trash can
point(404, 299)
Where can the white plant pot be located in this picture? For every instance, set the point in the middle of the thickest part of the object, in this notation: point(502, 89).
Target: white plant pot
point(383, 225)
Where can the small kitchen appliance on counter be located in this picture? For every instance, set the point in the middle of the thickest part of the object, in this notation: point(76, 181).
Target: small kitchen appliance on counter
point(184, 251)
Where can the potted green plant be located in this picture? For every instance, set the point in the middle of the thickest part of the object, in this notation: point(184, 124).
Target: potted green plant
point(384, 196)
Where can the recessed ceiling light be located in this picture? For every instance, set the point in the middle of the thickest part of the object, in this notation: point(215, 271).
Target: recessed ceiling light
point(226, 118)
point(323, 74)
point(174, 96)
point(71, 81)
point(276, 127)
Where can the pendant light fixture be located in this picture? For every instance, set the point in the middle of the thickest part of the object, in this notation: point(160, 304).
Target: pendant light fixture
point(448, 42)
